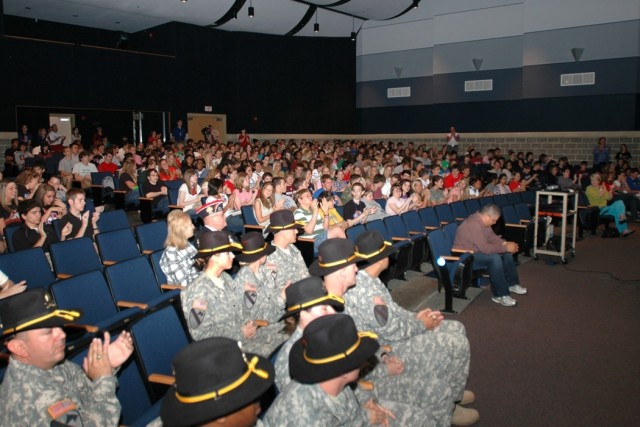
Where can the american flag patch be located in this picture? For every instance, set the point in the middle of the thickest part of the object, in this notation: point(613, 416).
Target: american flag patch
point(60, 408)
point(199, 304)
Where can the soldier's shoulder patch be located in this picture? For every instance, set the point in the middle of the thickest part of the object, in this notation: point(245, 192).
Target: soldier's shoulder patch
point(380, 311)
point(250, 298)
point(197, 313)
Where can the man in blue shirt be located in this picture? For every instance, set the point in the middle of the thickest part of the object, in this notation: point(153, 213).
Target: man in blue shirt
point(179, 133)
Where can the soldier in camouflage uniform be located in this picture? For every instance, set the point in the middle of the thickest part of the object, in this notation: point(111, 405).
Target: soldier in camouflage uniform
point(262, 297)
point(212, 304)
point(322, 365)
point(423, 341)
point(306, 301)
point(40, 387)
point(216, 383)
point(290, 266)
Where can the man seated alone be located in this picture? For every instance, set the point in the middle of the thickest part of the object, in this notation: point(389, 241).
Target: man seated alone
point(491, 252)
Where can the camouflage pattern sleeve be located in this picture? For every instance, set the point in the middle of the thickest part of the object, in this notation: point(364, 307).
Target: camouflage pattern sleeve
point(372, 308)
point(63, 395)
point(289, 266)
point(212, 308)
point(308, 405)
point(282, 360)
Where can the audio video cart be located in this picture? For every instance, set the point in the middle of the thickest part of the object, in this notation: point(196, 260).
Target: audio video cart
point(557, 205)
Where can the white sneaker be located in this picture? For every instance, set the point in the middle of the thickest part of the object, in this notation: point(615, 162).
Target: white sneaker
point(506, 300)
point(517, 289)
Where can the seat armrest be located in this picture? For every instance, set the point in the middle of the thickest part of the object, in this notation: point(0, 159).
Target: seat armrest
point(162, 379)
point(461, 251)
point(89, 328)
point(416, 233)
point(63, 275)
point(130, 304)
point(169, 287)
point(400, 239)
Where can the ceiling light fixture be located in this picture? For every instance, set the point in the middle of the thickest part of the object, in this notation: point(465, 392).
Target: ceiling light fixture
point(316, 26)
point(183, 1)
point(415, 4)
point(251, 9)
point(353, 29)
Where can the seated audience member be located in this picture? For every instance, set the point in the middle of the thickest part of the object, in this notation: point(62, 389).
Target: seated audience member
point(190, 193)
point(8, 207)
point(28, 182)
point(356, 209)
point(40, 387)
point(396, 205)
point(177, 261)
point(279, 189)
point(262, 294)
point(244, 196)
point(437, 193)
point(83, 169)
point(211, 303)
point(502, 187)
point(623, 192)
point(129, 183)
point(234, 222)
point(376, 210)
point(598, 195)
point(8, 288)
point(65, 166)
point(265, 204)
point(155, 189)
point(306, 300)
point(61, 190)
point(200, 398)
point(290, 266)
point(459, 192)
point(309, 217)
point(82, 222)
point(328, 209)
point(452, 178)
point(491, 252)
point(433, 351)
point(322, 364)
point(108, 165)
point(53, 208)
point(168, 173)
point(33, 232)
point(327, 184)
point(565, 182)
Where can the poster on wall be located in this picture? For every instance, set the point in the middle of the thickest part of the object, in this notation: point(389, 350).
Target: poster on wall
point(207, 126)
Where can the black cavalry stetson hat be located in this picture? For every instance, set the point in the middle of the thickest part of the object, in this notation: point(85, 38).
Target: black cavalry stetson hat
point(307, 293)
point(330, 346)
point(333, 255)
point(254, 247)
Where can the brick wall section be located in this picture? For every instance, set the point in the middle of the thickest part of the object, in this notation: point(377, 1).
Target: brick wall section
point(577, 146)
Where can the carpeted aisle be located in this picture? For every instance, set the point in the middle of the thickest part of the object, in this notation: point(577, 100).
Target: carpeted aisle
point(569, 353)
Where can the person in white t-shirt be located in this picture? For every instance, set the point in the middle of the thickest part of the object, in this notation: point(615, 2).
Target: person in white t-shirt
point(453, 138)
point(83, 169)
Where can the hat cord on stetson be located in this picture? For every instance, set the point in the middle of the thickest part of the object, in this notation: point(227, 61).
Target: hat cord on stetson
point(334, 263)
point(251, 369)
point(342, 355)
point(379, 251)
point(256, 250)
point(65, 314)
point(316, 301)
point(228, 245)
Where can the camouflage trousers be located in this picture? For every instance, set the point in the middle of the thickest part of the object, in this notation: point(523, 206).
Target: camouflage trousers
point(442, 353)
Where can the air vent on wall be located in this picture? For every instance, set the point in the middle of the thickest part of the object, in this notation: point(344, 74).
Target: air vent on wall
point(399, 92)
point(478, 85)
point(578, 79)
